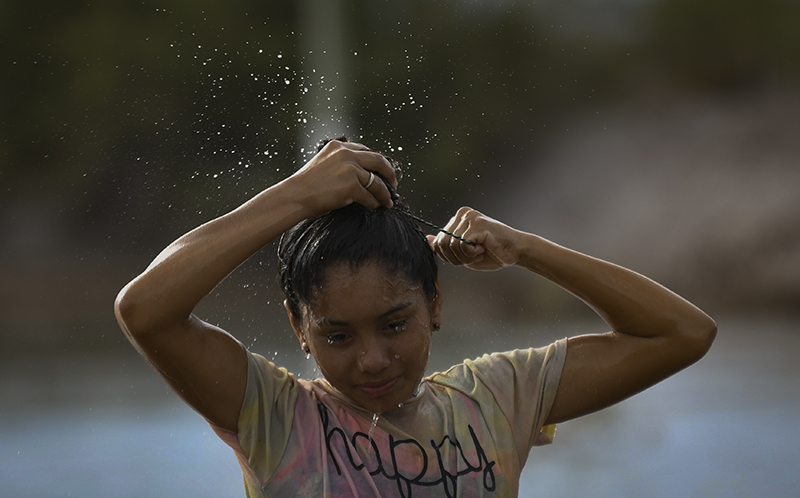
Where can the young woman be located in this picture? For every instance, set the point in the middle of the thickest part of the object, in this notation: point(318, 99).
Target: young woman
point(363, 299)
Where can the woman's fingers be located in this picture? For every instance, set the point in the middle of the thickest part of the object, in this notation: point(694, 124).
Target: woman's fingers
point(372, 161)
point(461, 228)
point(496, 245)
point(373, 193)
point(376, 186)
point(375, 168)
point(453, 250)
point(470, 225)
point(352, 173)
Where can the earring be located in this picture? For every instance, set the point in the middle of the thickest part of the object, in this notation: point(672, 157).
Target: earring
point(436, 326)
point(306, 350)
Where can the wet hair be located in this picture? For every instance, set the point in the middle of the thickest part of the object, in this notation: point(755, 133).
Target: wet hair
point(354, 235)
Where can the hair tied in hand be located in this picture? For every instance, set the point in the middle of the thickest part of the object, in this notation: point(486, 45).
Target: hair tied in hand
point(440, 229)
point(393, 192)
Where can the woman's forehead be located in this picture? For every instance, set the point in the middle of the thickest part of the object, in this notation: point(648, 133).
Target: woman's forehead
point(370, 272)
point(368, 287)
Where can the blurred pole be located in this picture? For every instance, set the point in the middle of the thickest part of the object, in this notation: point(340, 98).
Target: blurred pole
point(323, 62)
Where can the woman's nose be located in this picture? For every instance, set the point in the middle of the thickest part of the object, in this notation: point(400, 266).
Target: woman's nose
point(373, 357)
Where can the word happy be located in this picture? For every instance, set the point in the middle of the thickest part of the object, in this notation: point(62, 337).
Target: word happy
point(388, 466)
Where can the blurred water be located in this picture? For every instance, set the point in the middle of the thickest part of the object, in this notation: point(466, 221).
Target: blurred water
point(161, 451)
point(728, 426)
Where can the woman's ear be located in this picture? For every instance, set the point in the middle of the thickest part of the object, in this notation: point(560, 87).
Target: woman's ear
point(297, 325)
point(436, 308)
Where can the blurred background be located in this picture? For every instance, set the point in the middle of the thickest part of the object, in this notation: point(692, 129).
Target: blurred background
point(658, 134)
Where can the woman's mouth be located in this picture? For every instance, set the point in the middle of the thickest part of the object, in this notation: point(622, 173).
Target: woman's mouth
point(376, 389)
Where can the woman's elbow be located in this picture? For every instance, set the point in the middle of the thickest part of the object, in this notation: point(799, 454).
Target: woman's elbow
point(699, 336)
point(130, 312)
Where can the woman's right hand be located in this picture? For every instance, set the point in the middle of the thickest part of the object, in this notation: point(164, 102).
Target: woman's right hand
point(338, 175)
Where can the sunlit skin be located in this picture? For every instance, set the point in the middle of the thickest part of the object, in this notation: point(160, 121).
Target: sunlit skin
point(370, 334)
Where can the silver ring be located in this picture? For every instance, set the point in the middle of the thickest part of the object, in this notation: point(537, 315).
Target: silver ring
point(371, 179)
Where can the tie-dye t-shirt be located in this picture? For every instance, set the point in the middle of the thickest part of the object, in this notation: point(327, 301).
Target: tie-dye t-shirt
point(467, 432)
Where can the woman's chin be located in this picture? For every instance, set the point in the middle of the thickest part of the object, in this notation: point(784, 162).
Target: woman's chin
point(385, 403)
point(378, 405)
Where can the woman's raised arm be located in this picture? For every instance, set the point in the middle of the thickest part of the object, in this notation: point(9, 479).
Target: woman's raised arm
point(204, 364)
point(655, 333)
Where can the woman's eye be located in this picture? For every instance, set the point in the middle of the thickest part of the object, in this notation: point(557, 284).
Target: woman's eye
point(334, 338)
point(398, 326)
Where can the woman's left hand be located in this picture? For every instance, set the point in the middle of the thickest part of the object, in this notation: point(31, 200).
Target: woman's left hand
point(496, 244)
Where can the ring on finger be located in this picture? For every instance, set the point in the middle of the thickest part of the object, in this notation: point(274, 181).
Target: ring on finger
point(371, 179)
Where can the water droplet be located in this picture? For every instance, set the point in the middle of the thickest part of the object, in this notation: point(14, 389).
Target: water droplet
point(397, 356)
point(375, 418)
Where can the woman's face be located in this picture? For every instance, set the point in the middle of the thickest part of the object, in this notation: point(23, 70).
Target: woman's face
point(370, 333)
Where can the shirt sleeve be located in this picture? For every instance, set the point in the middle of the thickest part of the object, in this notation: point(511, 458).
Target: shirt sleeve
point(522, 383)
point(265, 419)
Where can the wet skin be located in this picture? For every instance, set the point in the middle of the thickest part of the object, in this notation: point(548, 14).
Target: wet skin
point(370, 334)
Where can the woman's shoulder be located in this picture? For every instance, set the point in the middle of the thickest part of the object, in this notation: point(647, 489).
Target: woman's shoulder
point(496, 374)
point(492, 364)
